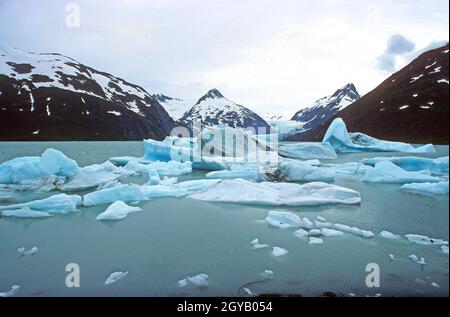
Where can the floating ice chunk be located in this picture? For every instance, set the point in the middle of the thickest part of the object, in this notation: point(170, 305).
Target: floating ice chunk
point(344, 142)
point(283, 220)
point(171, 168)
point(301, 233)
point(115, 277)
point(413, 258)
point(251, 172)
point(351, 168)
point(182, 283)
point(307, 151)
point(424, 240)
point(23, 252)
point(319, 218)
point(315, 241)
point(197, 185)
point(389, 235)
point(387, 172)
point(200, 280)
point(57, 204)
point(434, 284)
point(13, 291)
point(267, 273)
point(19, 169)
point(440, 188)
point(117, 211)
point(54, 162)
point(277, 251)
point(354, 230)
point(427, 148)
point(331, 233)
point(419, 281)
point(392, 257)
point(315, 232)
point(412, 163)
point(40, 184)
point(272, 194)
point(307, 224)
point(422, 261)
point(444, 249)
point(257, 245)
point(25, 212)
point(319, 224)
point(247, 291)
point(304, 172)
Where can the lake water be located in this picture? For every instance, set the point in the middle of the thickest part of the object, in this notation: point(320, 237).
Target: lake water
point(175, 238)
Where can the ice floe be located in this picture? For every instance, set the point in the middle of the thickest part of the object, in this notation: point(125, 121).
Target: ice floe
point(387, 172)
point(424, 240)
point(283, 220)
point(344, 142)
point(54, 162)
point(250, 172)
point(301, 233)
point(304, 172)
point(439, 188)
point(170, 168)
point(413, 258)
point(257, 245)
point(326, 232)
point(389, 235)
point(13, 291)
point(277, 252)
point(57, 204)
point(22, 251)
point(115, 277)
point(200, 280)
point(117, 211)
point(315, 241)
point(307, 151)
point(444, 249)
point(267, 273)
point(412, 163)
point(354, 230)
point(25, 212)
point(272, 194)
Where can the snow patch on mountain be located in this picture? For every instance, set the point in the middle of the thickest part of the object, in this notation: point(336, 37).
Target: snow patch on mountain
point(175, 107)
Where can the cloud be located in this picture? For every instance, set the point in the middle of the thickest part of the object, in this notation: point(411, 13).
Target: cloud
point(397, 45)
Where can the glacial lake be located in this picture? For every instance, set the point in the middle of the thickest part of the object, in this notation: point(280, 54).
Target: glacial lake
point(178, 237)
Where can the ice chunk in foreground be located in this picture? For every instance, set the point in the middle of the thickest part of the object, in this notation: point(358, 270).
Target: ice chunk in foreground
point(387, 172)
point(444, 249)
point(19, 169)
point(344, 142)
point(389, 235)
point(273, 194)
point(115, 277)
point(25, 212)
point(57, 204)
point(440, 188)
point(257, 245)
point(282, 220)
point(304, 172)
point(117, 211)
point(277, 251)
point(54, 162)
point(424, 240)
point(413, 163)
point(301, 233)
point(307, 151)
point(23, 252)
point(13, 291)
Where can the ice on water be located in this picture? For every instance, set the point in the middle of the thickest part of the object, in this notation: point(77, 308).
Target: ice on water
point(117, 211)
point(387, 172)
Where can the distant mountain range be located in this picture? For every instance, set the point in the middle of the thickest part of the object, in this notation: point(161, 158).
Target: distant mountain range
point(327, 107)
point(54, 97)
point(214, 109)
point(174, 106)
point(412, 105)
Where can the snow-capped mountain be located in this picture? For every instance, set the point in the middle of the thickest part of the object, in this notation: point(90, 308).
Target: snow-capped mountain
point(325, 108)
point(410, 106)
point(214, 109)
point(277, 116)
point(174, 106)
point(51, 96)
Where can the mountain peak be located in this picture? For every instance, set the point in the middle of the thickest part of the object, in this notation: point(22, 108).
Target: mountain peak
point(212, 94)
point(349, 90)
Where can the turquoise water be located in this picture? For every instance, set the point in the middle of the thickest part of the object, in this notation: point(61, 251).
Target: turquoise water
point(175, 238)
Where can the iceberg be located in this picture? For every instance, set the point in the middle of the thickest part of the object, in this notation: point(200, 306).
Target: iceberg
point(344, 142)
point(297, 171)
point(57, 204)
point(13, 291)
point(54, 162)
point(19, 169)
point(440, 188)
point(277, 194)
point(424, 240)
point(115, 277)
point(307, 151)
point(387, 172)
point(25, 212)
point(282, 220)
point(412, 163)
point(277, 251)
point(117, 211)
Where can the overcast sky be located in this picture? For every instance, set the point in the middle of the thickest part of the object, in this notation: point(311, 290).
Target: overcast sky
point(265, 54)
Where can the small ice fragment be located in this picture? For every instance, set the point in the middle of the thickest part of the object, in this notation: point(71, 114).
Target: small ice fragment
point(283, 220)
point(444, 249)
point(117, 211)
point(307, 224)
point(315, 232)
point(23, 252)
point(25, 212)
point(388, 235)
point(267, 273)
point(392, 257)
point(434, 284)
point(115, 277)
point(419, 281)
point(277, 251)
point(413, 258)
point(256, 245)
point(351, 294)
point(13, 291)
point(200, 280)
point(315, 241)
point(422, 261)
point(301, 233)
point(331, 233)
point(319, 224)
point(182, 283)
point(321, 218)
point(247, 291)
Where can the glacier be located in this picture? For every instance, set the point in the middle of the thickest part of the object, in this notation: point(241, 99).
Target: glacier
point(304, 172)
point(344, 142)
point(117, 211)
point(273, 194)
point(307, 151)
point(56, 204)
point(387, 172)
point(413, 163)
point(439, 188)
